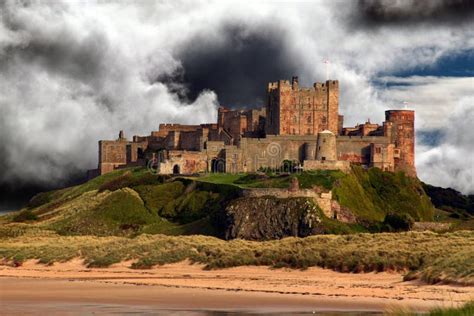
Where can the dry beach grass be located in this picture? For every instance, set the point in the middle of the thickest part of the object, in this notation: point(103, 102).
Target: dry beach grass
point(428, 256)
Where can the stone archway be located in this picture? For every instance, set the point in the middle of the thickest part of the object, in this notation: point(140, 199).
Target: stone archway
point(176, 169)
point(217, 165)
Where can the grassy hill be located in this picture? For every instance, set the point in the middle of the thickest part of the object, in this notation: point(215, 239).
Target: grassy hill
point(452, 206)
point(133, 201)
point(126, 214)
point(370, 194)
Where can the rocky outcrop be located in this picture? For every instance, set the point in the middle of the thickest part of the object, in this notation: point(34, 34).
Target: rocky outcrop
point(264, 218)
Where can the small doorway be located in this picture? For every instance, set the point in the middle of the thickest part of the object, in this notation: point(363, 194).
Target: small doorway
point(176, 169)
point(217, 165)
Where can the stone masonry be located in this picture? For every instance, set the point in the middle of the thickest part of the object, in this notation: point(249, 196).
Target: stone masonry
point(297, 124)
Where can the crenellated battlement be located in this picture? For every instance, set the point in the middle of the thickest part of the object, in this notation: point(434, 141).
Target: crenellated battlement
point(294, 85)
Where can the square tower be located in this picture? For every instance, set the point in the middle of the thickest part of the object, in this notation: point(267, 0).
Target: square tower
point(292, 110)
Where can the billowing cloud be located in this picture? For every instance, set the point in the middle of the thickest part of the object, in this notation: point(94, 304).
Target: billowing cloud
point(434, 99)
point(444, 114)
point(75, 72)
point(451, 162)
point(69, 78)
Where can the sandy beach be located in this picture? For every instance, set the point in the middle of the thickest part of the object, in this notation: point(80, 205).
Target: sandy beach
point(71, 287)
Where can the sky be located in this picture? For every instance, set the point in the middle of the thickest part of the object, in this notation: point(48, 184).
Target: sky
point(74, 72)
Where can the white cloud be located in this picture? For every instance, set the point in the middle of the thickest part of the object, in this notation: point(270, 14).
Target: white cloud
point(433, 98)
point(451, 163)
point(445, 104)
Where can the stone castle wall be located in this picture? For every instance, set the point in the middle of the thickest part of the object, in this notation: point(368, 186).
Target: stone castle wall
point(356, 149)
point(292, 119)
point(344, 166)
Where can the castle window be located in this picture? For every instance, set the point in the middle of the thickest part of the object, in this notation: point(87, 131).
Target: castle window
point(308, 131)
point(323, 120)
point(378, 150)
point(309, 119)
point(294, 131)
point(294, 119)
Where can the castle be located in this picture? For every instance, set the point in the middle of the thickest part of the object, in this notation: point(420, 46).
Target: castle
point(302, 125)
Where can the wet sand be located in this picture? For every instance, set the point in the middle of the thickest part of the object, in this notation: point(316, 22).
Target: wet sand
point(70, 286)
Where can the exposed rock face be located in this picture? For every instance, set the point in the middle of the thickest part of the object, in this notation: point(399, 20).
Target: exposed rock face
point(263, 218)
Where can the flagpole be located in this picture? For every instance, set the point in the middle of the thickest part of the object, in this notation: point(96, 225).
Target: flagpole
point(326, 61)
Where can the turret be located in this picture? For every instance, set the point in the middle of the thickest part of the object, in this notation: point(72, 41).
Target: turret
point(326, 146)
point(402, 135)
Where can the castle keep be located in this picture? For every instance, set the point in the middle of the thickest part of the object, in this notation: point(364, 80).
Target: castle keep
point(297, 124)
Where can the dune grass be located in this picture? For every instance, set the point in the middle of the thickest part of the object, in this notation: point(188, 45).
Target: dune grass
point(464, 310)
point(429, 256)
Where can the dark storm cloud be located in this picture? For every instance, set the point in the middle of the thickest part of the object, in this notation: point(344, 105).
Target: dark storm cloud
point(86, 59)
point(380, 12)
point(237, 68)
point(83, 60)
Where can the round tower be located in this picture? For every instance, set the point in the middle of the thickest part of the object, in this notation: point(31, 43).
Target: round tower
point(326, 146)
point(402, 135)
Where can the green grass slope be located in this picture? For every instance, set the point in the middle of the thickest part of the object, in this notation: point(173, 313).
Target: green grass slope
point(134, 201)
point(372, 194)
point(126, 203)
point(120, 212)
point(452, 206)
